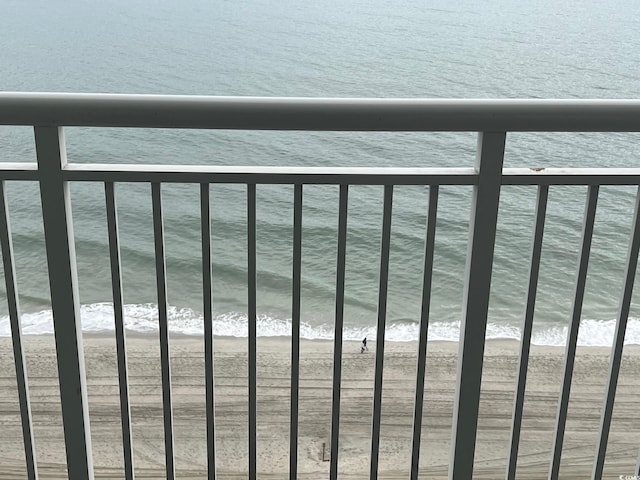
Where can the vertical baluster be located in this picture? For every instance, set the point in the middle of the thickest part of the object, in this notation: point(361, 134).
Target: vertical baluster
point(482, 233)
point(116, 285)
point(205, 219)
point(429, 247)
point(527, 324)
point(63, 282)
point(382, 318)
point(16, 336)
point(165, 360)
point(337, 343)
point(616, 353)
point(252, 319)
point(572, 340)
point(295, 330)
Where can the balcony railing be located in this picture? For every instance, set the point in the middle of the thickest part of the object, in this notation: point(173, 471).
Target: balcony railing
point(493, 119)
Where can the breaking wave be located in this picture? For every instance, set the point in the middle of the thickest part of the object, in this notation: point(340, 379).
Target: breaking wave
point(143, 319)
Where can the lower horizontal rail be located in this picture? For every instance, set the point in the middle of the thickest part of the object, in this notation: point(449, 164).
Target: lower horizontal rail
point(323, 175)
point(270, 175)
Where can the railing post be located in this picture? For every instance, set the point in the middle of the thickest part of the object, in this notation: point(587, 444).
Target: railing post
point(6, 244)
point(252, 318)
point(118, 316)
point(63, 282)
point(618, 344)
point(482, 232)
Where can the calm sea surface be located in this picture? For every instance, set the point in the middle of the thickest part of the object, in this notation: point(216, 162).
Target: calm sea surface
point(328, 48)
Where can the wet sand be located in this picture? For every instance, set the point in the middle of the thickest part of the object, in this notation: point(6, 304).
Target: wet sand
point(500, 367)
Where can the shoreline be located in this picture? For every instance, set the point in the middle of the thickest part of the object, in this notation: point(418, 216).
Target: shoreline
point(316, 369)
point(501, 342)
point(97, 319)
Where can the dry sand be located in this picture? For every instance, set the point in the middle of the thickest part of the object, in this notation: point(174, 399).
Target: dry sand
point(500, 366)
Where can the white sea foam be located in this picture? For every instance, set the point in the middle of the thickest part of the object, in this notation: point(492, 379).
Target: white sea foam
point(99, 318)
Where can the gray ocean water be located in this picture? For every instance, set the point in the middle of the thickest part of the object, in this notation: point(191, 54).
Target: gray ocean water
point(327, 48)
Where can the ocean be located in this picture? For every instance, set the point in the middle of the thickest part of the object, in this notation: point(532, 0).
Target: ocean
point(436, 49)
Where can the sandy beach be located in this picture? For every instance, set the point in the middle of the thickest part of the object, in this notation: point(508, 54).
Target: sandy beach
point(501, 357)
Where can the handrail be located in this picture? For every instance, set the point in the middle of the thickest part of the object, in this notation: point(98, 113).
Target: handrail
point(320, 114)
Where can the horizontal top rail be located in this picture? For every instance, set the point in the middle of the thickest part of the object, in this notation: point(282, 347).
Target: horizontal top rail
point(322, 114)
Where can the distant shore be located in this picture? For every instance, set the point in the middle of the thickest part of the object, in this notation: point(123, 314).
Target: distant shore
point(500, 368)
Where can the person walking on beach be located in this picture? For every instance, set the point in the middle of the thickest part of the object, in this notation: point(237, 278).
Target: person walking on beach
point(364, 347)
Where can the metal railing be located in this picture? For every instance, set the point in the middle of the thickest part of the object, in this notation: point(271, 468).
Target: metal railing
point(49, 113)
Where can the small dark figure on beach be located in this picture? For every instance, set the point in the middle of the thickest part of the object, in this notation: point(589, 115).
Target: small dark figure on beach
point(364, 347)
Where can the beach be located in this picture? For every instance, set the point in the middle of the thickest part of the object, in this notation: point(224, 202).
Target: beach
point(500, 367)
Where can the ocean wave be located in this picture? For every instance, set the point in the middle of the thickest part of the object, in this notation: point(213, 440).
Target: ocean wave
point(143, 319)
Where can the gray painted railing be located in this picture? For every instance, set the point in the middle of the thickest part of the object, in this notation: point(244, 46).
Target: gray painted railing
point(493, 119)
